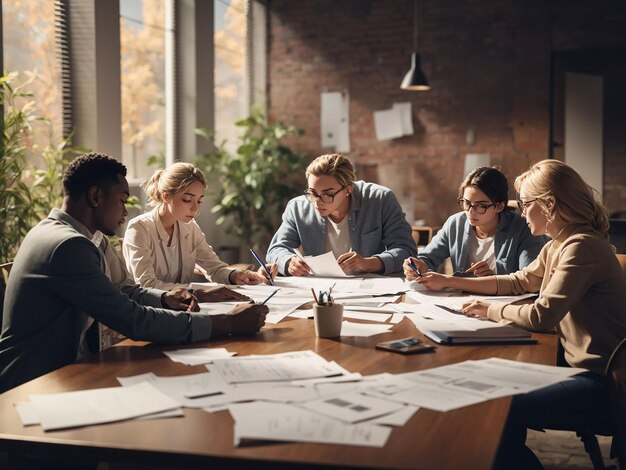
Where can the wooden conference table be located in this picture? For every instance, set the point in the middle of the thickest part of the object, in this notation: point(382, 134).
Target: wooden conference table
point(463, 438)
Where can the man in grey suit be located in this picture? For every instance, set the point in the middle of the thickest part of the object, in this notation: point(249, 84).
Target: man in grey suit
point(60, 287)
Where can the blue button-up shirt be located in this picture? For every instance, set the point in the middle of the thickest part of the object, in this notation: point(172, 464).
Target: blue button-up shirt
point(377, 228)
point(514, 246)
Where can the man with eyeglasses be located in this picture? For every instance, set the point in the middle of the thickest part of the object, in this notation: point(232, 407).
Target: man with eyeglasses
point(361, 223)
point(486, 238)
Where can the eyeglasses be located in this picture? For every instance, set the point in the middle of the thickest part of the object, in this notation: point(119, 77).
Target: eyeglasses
point(478, 208)
point(523, 205)
point(325, 197)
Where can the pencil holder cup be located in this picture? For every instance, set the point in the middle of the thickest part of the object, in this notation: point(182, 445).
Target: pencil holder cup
point(328, 320)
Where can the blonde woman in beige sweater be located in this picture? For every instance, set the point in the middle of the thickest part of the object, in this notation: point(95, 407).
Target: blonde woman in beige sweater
point(582, 293)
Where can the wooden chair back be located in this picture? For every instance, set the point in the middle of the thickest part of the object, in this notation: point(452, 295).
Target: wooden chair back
point(422, 234)
point(621, 259)
point(616, 385)
point(5, 269)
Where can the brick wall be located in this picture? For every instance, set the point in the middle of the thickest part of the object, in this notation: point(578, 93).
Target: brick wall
point(488, 63)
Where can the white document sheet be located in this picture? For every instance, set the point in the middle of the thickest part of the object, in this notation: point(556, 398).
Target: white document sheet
point(103, 405)
point(278, 311)
point(303, 314)
point(190, 391)
point(383, 285)
point(504, 298)
point(363, 329)
point(285, 296)
point(396, 318)
point(370, 316)
point(277, 367)
point(352, 407)
point(28, 414)
point(215, 308)
point(322, 265)
point(198, 356)
point(373, 302)
point(398, 418)
point(274, 422)
point(368, 308)
point(385, 289)
point(436, 398)
point(424, 295)
point(344, 286)
point(350, 377)
point(455, 385)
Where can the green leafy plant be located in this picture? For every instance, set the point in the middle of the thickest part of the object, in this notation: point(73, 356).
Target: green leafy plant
point(252, 186)
point(30, 172)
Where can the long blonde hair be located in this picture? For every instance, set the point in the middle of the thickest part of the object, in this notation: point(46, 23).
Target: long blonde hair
point(561, 191)
point(333, 164)
point(172, 180)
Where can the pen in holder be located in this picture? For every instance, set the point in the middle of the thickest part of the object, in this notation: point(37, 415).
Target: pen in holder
point(327, 315)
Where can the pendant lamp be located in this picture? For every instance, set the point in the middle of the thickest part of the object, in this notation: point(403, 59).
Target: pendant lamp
point(415, 80)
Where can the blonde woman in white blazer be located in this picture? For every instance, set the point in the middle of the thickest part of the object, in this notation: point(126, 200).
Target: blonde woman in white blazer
point(162, 247)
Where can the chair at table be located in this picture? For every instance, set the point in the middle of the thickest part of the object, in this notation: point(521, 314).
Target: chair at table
point(5, 269)
point(616, 385)
point(422, 234)
point(588, 435)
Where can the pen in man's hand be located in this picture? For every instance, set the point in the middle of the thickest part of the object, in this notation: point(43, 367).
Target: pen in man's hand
point(414, 268)
point(269, 275)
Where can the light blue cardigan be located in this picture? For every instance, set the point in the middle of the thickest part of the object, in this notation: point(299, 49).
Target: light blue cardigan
point(515, 247)
point(377, 227)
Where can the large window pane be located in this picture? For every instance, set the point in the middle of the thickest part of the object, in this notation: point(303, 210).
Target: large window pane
point(29, 48)
point(142, 30)
point(230, 68)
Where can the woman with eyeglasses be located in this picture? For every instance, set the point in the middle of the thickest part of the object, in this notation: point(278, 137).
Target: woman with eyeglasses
point(361, 223)
point(581, 293)
point(486, 238)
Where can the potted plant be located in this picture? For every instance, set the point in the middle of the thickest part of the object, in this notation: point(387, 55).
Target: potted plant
point(30, 171)
point(252, 186)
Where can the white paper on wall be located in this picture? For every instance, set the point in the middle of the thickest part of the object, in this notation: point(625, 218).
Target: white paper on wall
point(405, 117)
point(475, 160)
point(335, 121)
point(395, 122)
point(388, 124)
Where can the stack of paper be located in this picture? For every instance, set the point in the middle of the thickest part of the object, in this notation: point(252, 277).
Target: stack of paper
point(102, 405)
point(198, 356)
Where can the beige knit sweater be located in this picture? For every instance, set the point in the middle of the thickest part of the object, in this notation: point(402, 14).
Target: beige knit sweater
point(582, 293)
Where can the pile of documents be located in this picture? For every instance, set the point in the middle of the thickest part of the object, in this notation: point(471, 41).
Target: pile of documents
point(363, 298)
point(438, 315)
point(295, 396)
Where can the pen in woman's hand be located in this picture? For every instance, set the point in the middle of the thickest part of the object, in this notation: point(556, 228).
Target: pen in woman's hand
point(414, 268)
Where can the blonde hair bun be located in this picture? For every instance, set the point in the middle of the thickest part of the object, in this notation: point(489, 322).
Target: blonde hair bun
point(172, 180)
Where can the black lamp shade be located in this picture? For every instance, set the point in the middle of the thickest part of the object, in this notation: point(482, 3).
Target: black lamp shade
point(415, 78)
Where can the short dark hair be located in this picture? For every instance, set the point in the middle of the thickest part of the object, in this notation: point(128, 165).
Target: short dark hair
point(490, 181)
point(91, 169)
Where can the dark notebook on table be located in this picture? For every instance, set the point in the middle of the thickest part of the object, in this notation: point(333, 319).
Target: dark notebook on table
point(497, 334)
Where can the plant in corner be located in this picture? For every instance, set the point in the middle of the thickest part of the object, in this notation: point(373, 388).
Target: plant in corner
point(252, 186)
point(30, 172)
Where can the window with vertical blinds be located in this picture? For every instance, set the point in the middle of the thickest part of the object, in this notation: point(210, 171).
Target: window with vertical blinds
point(29, 50)
point(62, 42)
